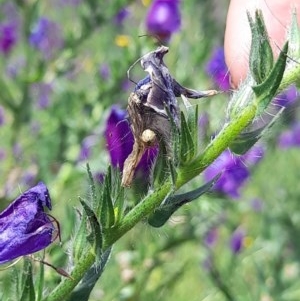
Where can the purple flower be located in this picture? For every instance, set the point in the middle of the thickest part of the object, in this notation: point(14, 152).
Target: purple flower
point(118, 136)
point(120, 140)
point(217, 69)
point(234, 171)
point(104, 71)
point(211, 237)
point(9, 27)
point(257, 205)
point(236, 240)
point(86, 146)
point(121, 16)
point(24, 226)
point(46, 36)
point(163, 19)
point(2, 116)
point(288, 97)
point(41, 92)
point(8, 37)
point(290, 137)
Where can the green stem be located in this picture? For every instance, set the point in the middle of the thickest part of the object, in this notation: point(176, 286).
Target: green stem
point(217, 146)
point(229, 132)
point(67, 285)
point(140, 211)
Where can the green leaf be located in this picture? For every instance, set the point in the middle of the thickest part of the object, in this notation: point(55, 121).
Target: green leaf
point(267, 90)
point(28, 293)
point(83, 290)
point(107, 215)
point(172, 203)
point(118, 196)
point(80, 241)
point(39, 283)
point(187, 144)
point(261, 54)
point(96, 230)
point(92, 187)
point(294, 37)
point(249, 137)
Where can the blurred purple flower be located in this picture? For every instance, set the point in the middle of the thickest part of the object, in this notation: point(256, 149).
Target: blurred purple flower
point(121, 16)
point(288, 97)
point(290, 137)
point(257, 205)
point(46, 36)
point(104, 71)
point(119, 141)
point(15, 66)
point(24, 226)
point(9, 27)
point(217, 69)
point(211, 237)
point(2, 116)
point(234, 171)
point(163, 19)
point(99, 177)
point(236, 240)
point(41, 93)
point(69, 2)
point(8, 37)
point(118, 136)
point(2, 154)
point(253, 155)
point(86, 146)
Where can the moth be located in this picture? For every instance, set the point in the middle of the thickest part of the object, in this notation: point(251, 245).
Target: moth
point(153, 107)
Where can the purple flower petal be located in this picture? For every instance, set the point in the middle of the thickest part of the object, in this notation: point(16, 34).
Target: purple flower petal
point(236, 240)
point(24, 226)
point(288, 97)
point(8, 37)
point(2, 116)
point(9, 27)
point(235, 173)
point(163, 18)
point(211, 237)
point(290, 137)
point(118, 136)
point(121, 16)
point(46, 36)
point(104, 71)
point(41, 93)
point(217, 69)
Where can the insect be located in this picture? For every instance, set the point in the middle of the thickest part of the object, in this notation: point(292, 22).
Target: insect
point(153, 107)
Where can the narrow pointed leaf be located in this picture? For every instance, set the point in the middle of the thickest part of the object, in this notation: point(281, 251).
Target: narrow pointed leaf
point(261, 54)
point(247, 139)
point(294, 37)
point(267, 90)
point(107, 216)
point(96, 229)
point(80, 240)
point(118, 196)
point(173, 203)
point(187, 142)
point(92, 187)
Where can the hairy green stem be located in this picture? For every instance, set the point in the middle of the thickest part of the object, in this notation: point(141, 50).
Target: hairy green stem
point(140, 211)
point(217, 146)
point(229, 132)
point(67, 285)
